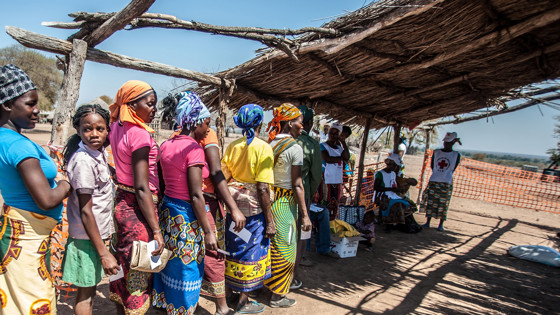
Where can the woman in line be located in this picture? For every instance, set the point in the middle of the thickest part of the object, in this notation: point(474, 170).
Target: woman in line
point(248, 166)
point(213, 187)
point(32, 201)
point(135, 154)
point(289, 197)
point(182, 213)
point(335, 153)
point(89, 207)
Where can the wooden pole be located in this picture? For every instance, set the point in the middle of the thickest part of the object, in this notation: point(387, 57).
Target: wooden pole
point(428, 140)
point(396, 138)
point(225, 95)
point(361, 161)
point(69, 93)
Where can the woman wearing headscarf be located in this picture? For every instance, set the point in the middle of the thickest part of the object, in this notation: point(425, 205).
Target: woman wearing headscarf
point(335, 153)
point(289, 197)
point(135, 154)
point(248, 167)
point(183, 219)
point(32, 201)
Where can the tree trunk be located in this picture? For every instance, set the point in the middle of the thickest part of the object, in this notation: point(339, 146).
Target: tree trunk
point(69, 93)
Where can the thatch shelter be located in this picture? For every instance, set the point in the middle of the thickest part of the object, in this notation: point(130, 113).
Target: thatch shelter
point(404, 61)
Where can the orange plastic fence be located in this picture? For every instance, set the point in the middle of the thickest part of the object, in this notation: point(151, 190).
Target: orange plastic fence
point(500, 184)
point(366, 196)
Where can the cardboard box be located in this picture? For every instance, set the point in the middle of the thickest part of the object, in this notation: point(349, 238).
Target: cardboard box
point(345, 246)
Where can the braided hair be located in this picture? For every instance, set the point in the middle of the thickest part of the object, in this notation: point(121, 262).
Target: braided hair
point(82, 111)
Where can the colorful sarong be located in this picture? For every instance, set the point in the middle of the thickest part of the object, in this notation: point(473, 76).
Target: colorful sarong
point(132, 291)
point(177, 286)
point(395, 212)
point(283, 249)
point(26, 285)
point(435, 200)
point(329, 196)
point(213, 282)
point(248, 265)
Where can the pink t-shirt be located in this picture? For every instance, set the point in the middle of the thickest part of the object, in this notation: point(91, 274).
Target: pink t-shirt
point(178, 154)
point(126, 139)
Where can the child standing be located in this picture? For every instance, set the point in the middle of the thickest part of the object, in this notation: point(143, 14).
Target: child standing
point(90, 206)
point(367, 228)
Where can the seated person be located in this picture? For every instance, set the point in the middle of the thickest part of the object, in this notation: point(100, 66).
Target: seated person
point(394, 208)
point(367, 228)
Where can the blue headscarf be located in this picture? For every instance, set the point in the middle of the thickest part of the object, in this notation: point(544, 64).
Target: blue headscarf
point(190, 110)
point(248, 118)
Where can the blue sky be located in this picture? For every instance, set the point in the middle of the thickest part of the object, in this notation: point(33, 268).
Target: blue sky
point(525, 131)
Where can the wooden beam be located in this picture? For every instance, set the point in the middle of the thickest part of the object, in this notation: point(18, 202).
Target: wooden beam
point(58, 46)
point(361, 161)
point(422, 173)
point(118, 21)
point(396, 138)
point(69, 93)
point(224, 99)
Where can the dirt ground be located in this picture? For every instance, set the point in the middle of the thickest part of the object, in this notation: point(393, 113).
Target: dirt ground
point(464, 270)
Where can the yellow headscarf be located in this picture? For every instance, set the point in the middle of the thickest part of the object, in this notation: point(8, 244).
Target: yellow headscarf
point(129, 92)
point(286, 111)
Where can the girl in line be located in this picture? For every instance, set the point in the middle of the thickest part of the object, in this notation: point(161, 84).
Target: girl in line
point(136, 154)
point(183, 219)
point(89, 207)
point(32, 201)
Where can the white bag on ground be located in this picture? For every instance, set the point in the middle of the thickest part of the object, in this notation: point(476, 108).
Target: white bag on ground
point(537, 253)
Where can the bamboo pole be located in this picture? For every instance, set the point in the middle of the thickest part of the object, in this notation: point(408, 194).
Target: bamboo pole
point(69, 93)
point(361, 161)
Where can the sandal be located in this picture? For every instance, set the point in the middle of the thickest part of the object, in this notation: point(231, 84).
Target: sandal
point(296, 284)
point(283, 302)
point(251, 307)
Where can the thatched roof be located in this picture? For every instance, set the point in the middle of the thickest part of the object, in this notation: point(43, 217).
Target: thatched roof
point(403, 61)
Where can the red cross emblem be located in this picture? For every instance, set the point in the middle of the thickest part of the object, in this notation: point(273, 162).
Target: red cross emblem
point(442, 164)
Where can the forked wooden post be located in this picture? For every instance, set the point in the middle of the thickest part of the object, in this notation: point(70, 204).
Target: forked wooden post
point(396, 138)
point(226, 90)
point(361, 161)
point(69, 93)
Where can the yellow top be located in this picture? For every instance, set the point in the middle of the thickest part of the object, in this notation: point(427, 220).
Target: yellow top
point(249, 163)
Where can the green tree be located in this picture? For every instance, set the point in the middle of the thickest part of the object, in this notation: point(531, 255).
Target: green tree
point(42, 71)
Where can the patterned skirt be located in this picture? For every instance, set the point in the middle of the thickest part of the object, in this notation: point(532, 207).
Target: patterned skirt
point(26, 285)
point(133, 290)
point(248, 264)
point(329, 196)
point(435, 200)
point(213, 282)
point(283, 249)
point(177, 286)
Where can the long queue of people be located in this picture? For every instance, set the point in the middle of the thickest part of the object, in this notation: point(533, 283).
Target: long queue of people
point(182, 195)
point(232, 223)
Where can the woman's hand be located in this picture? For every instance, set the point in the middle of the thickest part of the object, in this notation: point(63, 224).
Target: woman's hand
point(306, 224)
point(239, 220)
point(270, 230)
point(210, 241)
point(109, 263)
point(159, 239)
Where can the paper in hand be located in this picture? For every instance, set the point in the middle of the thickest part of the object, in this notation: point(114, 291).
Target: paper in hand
point(305, 235)
point(120, 274)
point(244, 234)
point(155, 261)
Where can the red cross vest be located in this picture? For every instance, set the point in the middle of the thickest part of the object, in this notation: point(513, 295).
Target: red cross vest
point(444, 165)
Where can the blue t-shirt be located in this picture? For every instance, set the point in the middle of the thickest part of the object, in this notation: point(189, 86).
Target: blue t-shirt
point(14, 148)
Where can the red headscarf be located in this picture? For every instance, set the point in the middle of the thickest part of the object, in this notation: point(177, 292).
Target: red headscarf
point(129, 92)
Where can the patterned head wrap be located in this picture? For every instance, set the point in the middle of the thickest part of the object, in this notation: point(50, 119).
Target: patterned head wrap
point(248, 118)
point(13, 83)
point(284, 112)
point(190, 111)
point(307, 113)
point(130, 91)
